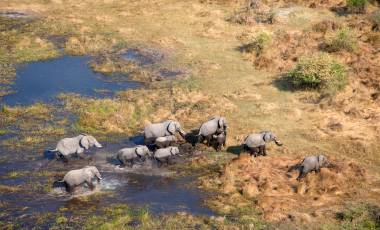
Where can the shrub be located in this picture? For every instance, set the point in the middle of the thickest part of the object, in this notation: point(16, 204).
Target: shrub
point(260, 42)
point(319, 71)
point(356, 6)
point(342, 40)
point(375, 19)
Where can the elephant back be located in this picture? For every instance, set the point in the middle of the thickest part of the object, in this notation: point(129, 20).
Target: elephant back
point(254, 140)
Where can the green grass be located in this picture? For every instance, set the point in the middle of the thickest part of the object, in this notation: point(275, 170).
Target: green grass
point(319, 71)
point(261, 42)
point(343, 39)
point(356, 6)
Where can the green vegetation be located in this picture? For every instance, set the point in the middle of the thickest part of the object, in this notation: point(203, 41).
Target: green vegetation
point(359, 216)
point(375, 19)
point(343, 39)
point(319, 71)
point(356, 6)
point(258, 45)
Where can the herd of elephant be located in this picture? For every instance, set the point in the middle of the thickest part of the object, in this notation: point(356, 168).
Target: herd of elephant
point(161, 137)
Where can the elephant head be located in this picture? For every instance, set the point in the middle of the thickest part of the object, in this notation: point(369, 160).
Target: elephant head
point(88, 141)
point(174, 151)
point(174, 126)
point(143, 151)
point(322, 161)
point(269, 136)
point(92, 172)
point(222, 123)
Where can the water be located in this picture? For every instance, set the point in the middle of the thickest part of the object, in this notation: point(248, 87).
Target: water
point(42, 81)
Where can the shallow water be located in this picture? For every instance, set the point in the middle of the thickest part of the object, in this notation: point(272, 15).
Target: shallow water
point(43, 80)
point(144, 186)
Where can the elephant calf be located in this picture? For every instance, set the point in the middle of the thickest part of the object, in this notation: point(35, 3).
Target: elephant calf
point(255, 143)
point(80, 176)
point(312, 163)
point(220, 140)
point(164, 154)
point(163, 142)
point(75, 145)
point(131, 154)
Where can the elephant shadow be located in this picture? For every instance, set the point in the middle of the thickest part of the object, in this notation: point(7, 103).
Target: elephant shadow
point(137, 140)
point(49, 155)
point(235, 149)
point(192, 137)
point(112, 160)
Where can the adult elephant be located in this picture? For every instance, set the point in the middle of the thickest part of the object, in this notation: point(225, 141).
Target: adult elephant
point(163, 129)
point(78, 177)
point(215, 126)
point(75, 145)
point(255, 143)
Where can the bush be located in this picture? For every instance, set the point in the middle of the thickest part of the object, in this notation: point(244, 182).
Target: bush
point(375, 19)
point(319, 71)
point(342, 40)
point(260, 42)
point(356, 6)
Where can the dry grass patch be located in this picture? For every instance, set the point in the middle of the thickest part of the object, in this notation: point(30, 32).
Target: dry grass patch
point(267, 182)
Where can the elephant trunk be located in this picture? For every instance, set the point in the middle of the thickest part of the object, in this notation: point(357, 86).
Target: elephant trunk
point(182, 133)
point(98, 145)
point(278, 142)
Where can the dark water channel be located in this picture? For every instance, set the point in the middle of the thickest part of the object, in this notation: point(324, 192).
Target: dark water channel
point(42, 81)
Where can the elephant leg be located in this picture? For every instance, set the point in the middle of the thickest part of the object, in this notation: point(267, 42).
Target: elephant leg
point(90, 184)
point(70, 189)
point(159, 163)
point(264, 150)
point(167, 161)
point(253, 151)
point(301, 175)
point(208, 139)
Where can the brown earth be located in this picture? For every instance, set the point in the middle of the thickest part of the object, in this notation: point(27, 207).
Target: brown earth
point(276, 192)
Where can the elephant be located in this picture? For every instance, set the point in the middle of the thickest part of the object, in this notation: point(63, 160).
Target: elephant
point(77, 177)
point(220, 140)
point(216, 126)
point(164, 155)
point(312, 163)
point(255, 143)
point(163, 142)
point(78, 144)
point(131, 154)
point(163, 129)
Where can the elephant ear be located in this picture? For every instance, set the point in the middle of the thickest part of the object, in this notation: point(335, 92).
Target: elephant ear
point(267, 136)
point(220, 122)
point(171, 128)
point(85, 142)
point(139, 151)
point(321, 160)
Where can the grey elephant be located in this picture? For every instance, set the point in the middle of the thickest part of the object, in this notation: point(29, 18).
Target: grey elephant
point(77, 177)
point(220, 140)
point(130, 155)
point(163, 129)
point(165, 154)
point(312, 163)
point(163, 142)
point(75, 145)
point(212, 127)
point(255, 143)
